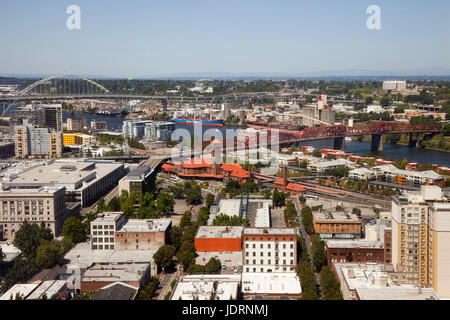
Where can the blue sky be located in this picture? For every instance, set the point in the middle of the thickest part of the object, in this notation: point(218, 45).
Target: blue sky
point(138, 38)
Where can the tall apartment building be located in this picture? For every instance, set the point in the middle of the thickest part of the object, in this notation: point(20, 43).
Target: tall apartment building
point(394, 85)
point(420, 238)
point(53, 116)
point(48, 115)
point(269, 250)
point(36, 205)
point(37, 142)
point(438, 248)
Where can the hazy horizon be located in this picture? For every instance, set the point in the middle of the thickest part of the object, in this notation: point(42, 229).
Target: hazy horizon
point(142, 39)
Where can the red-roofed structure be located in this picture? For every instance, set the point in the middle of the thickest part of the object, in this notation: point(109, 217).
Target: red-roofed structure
point(205, 168)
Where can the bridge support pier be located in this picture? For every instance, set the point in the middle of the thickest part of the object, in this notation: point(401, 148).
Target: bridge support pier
point(377, 142)
point(413, 141)
point(338, 143)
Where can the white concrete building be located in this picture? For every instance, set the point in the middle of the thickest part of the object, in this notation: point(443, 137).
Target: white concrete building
point(394, 85)
point(207, 287)
point(269, 249)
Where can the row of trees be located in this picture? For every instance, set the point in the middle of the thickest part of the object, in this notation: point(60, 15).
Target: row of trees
point(234, 188)
point(226, 220)
point(290, 213)
point(305, 272)
point(330, 287)
point(307, 219)
point(149, 207)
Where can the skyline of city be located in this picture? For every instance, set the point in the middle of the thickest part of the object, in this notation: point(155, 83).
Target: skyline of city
point(240, 152)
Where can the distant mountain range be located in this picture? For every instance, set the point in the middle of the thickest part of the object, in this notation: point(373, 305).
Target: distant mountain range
point(349, 74)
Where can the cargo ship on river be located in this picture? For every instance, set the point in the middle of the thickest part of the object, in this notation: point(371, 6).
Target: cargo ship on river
point(201, 121)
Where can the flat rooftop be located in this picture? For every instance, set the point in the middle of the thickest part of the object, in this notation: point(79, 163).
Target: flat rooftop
point(145, 225)
point(286, 283)
point(219, 232)
point(202, 287)
point(357, 243)
point(364, 275)
point(397, 293)
point(115, 272)
point(229, 207)
point(335, 217)
point(275, 231)
point(108, 217)
point(32, 192)
point(226, 257)
point(139, 173)
point(73, 174)
point(82, 256)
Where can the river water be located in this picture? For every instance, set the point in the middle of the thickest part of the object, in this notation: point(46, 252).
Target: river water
point(393, 152)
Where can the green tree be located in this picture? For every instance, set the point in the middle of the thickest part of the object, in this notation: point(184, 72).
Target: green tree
point(73, 230)
point(21, 271)
point(302, 199)
point(278, 198)
point(186, 254)
point(307, 220)
point(185, 219)
point(357, 211)
point(307, 281)
point(331, 288)
point(127, 206)
point(213, 266)
point(209, 201)
point(194, 195)
point(195, 269)
point(175, 237)
point(203, 216)
point(446, 130)
point(49, 254)
point(114, 205)
point(164, 203)
point(164, 257)
point(319, 257)
point(29, 237)
point(385, 102)
point(149, 290)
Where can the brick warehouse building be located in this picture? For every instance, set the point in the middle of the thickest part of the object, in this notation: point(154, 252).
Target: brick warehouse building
point(344, 251)
point(360, 251)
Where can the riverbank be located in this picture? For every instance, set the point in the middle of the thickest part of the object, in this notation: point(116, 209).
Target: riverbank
point(403, 143)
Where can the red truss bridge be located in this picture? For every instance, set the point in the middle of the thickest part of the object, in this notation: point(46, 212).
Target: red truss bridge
point(339, 132)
